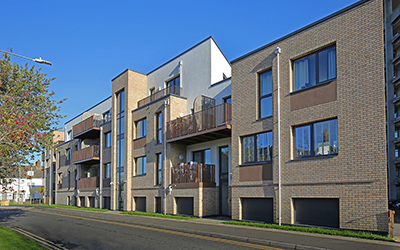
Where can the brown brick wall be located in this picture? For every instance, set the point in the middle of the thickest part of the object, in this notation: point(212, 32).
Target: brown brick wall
point(357, 175)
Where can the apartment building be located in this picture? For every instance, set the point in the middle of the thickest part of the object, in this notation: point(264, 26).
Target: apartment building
point(81, 163)
point(392, 51)
point(314, 154)
point(172, 141)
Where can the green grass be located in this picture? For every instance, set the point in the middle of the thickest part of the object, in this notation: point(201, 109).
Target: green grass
point(346, 233)
point(12, 240)
point(159, 215)
point(63, 206)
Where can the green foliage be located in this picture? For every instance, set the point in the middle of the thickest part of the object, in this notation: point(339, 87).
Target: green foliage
point(28, 114)
point(12, 240)
point(316, 230)
point(159, 215)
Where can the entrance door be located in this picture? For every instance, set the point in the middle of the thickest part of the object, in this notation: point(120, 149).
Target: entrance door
point(223, 180)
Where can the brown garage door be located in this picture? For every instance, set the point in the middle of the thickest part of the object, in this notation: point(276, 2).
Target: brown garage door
point(184, 205)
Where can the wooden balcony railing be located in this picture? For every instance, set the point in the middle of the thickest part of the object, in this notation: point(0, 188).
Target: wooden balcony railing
point(86, 154)
point(89, 183)
point(92, 122)
point(176, 90)
point(193, 173)
point(200, 121)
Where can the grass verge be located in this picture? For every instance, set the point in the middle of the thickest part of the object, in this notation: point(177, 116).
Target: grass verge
point(159, 215)
point(63, 206)
point(346, 233)
point(12, 240)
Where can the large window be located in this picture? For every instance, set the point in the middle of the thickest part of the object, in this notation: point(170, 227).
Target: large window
point(68, 154)
point(314, 69)
point(265, 80)
point(106, 117)
point(141, 165)
point(107, 171)
point(141, 128)
point(107, 139)
point(174, 86)
point(159, 169)
point(316, 139)
point(257, 148)
point(159, 127)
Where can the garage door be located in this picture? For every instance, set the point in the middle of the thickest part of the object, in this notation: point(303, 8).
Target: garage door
point(316, 212)
point(184, 205)
point(258, 209)
point(140, 204)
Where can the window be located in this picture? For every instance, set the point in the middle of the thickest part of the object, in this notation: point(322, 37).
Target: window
point(107, 171)
point(107, 139)
point(174, 86)
point(257, 148)
point(159, 127)
point(69, 135)
point(159, 169)
point(68, 154)
point(265, 88)
point(316, 139)
point(106, 116)
point(141, 128)
point(315, 69)
point(141, 165)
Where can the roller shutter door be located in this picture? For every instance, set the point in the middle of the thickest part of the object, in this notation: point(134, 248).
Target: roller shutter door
point(258, 209)
point(184, 205)
point(322, 212)
point(140, 204)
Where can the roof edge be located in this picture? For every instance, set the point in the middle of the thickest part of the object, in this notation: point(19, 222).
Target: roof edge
point(301, 29)
point(86, 110)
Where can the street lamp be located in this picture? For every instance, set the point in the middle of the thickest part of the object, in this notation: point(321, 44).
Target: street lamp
point(38, 60)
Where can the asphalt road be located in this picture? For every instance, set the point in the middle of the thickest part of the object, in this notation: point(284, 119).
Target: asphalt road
point(76, 232)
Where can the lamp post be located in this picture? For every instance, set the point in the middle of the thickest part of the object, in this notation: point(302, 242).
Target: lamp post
point(38, 60)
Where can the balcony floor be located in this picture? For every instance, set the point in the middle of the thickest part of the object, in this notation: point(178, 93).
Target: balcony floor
point(220, 132)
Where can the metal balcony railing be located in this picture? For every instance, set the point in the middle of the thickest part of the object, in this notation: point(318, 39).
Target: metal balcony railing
point(176, 90)
point(89, 183)
point(193, 173)
point(86, 154)
point(88, 124)
point(203, 120)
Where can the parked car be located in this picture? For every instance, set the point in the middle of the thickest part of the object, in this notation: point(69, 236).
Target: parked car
point(395, 204)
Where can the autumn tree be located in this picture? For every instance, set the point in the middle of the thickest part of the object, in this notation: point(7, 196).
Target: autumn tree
point(28, 114)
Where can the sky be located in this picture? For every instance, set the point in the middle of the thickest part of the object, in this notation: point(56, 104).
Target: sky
point(91, 42)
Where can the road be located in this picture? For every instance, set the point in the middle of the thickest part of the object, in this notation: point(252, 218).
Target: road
point(76, 232)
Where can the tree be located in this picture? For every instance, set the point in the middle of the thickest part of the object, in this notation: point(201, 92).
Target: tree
point(28, 114)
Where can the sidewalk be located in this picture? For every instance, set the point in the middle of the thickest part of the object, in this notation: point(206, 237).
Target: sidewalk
point(213, 227)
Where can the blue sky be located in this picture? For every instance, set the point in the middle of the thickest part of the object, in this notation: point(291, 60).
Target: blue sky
point(91, 42)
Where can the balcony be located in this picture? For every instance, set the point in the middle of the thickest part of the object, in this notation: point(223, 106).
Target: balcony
point(160, 93)
point(89, 128)
point(86, 155)
point(89, 183)
point(209, 124)
point(193, 175)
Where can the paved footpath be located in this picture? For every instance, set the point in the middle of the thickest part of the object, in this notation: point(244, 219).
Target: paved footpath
point(214, 228)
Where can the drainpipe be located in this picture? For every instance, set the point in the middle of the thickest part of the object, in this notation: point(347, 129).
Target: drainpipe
point(101, 168)
point(56, 177)
point(50, 174)
point(277, 52)
point(166, 103)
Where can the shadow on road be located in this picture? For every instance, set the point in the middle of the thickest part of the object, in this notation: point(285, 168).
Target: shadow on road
point(8, 214)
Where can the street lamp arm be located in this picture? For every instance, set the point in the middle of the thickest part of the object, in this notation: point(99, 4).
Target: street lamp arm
point(38, 60)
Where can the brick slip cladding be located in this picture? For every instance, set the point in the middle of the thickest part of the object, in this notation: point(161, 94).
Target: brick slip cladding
point(357, 175)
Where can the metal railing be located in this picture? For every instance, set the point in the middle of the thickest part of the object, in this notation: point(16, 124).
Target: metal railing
point(86, 154)
point(89, 123)
point(176, 90)
point(193, 173)
point(89, 183)
point(200, 121)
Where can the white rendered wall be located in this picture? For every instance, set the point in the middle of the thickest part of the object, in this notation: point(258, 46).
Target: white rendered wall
point(219, 64)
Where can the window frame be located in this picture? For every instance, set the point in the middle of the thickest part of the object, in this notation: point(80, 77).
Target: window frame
point(312, 140)
point(255, 155)
point(158, 171)
point(159, 127)
point(106, 165)
point(317, 70)
point(141, 128)
point(266, 96)
point(68, 154)
point(107, 139)
point(141, 169)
